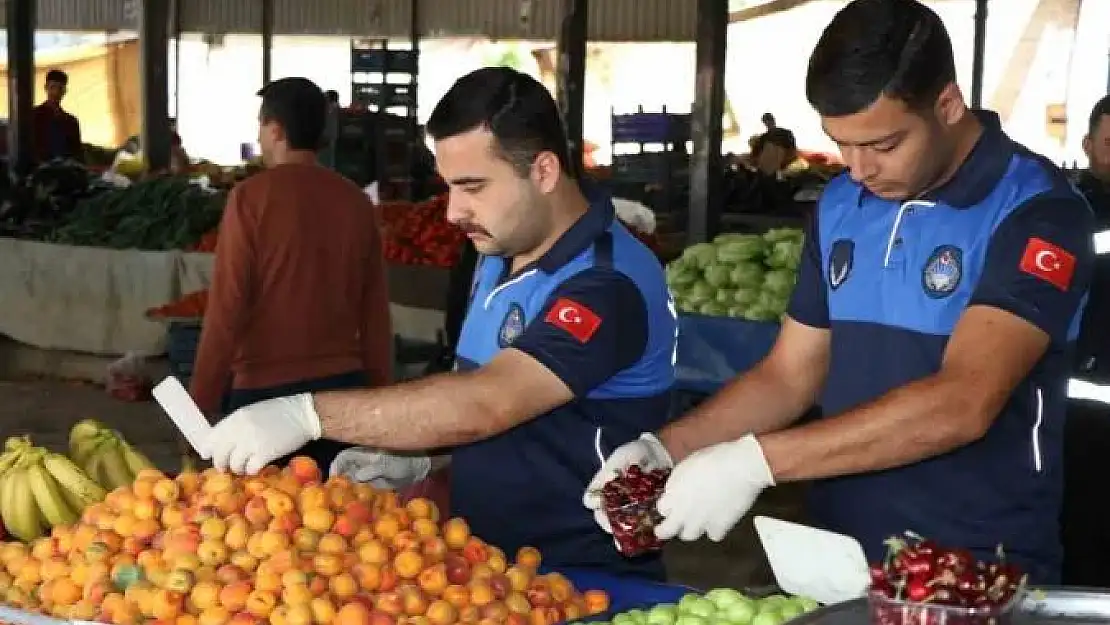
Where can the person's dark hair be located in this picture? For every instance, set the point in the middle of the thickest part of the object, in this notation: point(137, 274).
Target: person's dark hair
point(516, 108)
point(896, 48)
point(768, 120)
point(57, 75)
point(332, 96)
point(299, 107)
point(1102, 108)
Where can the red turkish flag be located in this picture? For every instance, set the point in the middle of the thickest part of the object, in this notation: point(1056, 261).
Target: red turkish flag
point(1049, 262)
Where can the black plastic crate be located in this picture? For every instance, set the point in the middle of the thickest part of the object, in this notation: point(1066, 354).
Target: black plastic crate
point(379, 60)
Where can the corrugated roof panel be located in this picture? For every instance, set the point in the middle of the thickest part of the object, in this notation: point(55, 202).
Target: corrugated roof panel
point(221, 16)
point(79, 15)
point(610, 20)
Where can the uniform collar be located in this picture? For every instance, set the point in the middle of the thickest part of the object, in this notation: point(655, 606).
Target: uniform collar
point(980, 172)
point(983, 168)
point(595, 221)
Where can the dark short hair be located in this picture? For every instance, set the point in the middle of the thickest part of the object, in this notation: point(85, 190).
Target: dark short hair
point(780, 137)
point(896, 48)
point(332, 95)
point(768, 120)
point(57, 75)
point(516, 108)
point(1102, 108)
point(299, 106)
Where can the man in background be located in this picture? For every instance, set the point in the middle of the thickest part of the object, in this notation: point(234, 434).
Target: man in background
point(298, 300)
point(331, 130)
point(57, 133)
point(1087, 435)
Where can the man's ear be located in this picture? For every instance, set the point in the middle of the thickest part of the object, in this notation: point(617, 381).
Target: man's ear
point(950, 107)
point(1088, 147)
point(546, 171)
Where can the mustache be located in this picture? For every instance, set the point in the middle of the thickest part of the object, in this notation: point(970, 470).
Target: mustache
point(470, 227)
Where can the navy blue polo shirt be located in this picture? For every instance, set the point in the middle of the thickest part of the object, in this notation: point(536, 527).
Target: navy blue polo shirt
point(891, 280)
point(596, 312)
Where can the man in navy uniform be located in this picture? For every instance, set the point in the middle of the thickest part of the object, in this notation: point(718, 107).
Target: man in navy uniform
point(567, 351)
point(940, 289)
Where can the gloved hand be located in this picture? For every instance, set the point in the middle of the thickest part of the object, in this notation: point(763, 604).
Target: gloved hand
point(256, 435)
point(712, 489)
point(647, 452)
point(380, 468)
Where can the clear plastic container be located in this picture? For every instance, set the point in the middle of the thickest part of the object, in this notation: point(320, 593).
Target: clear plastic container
point(634, 525)
point(886, 611)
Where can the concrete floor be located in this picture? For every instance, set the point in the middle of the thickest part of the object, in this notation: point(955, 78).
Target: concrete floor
point(46, 409)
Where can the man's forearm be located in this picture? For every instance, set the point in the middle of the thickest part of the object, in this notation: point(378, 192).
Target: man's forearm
point(917, 421)
point(438, 411)
point(758, 401)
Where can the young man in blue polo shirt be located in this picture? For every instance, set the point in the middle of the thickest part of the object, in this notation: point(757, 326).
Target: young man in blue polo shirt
point(941, 286)
point(567, 351)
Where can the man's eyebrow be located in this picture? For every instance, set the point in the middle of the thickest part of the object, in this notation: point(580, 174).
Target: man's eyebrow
point(466, 180)
point(897, 134)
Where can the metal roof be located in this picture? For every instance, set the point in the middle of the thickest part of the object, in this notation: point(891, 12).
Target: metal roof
point(610, 20)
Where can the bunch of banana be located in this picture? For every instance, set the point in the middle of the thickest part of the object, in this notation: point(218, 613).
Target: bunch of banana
point(40, 489)
point(105, 455)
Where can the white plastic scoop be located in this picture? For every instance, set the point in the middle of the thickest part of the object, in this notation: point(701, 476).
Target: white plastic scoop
point(186, 415)
point(824, 566)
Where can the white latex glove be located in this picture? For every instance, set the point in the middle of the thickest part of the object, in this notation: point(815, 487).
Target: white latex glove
point(381, 469)
point(647, 452)
point(256, 435)
point(712, 489)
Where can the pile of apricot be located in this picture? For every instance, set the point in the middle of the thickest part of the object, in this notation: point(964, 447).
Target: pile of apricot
point(282, 547)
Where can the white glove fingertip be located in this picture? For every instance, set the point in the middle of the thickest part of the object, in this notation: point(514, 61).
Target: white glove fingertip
point(691, 532)
point(254, 464)
point(668, 528)
point(220, 454)
point(237, 462)
point(602, 521)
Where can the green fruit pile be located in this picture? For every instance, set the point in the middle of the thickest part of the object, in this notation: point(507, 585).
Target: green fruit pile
point(721, 606)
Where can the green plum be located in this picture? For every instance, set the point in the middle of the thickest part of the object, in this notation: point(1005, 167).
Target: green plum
point(740, 613)
point(639, 617)
point(807, 604)
point(697, 605)
point(767, 617)
point(691, 619)
point(725, 597)
point(790, 609)
point(624, 619)
point(662, 614)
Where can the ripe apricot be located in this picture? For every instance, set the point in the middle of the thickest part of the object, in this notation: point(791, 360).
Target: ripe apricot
point(433, 580)
point(261, 603)
point(166, 491)
point(441, 612)
point(481, 593)
point(408, 564)
point(300, 614)
point(422, 508)
point(528, 557)
point(304, 469)
point(327, 564)
point(596, 601)
point(332, 543)
point(234, 595)
point(323, 611)
point(456, 533)
point(343, 586)
point(320, 520)
point(352, 613)
point(296, 595)
point(387, 526)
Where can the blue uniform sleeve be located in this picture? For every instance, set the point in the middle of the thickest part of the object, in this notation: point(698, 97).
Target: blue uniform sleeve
point(809, 303)
point(593, 326)
point(1039, 264)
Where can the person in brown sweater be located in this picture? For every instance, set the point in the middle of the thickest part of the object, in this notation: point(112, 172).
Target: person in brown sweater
point(298, 298)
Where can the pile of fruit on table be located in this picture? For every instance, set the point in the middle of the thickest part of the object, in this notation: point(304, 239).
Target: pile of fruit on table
point(721, 606)
point(282, 547)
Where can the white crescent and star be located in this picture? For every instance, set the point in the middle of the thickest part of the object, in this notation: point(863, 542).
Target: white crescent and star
point(1046, 260)
point(567, 314)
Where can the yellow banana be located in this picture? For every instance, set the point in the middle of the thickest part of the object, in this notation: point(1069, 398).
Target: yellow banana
point(81, 449)
point(48, 497)
point(114, 466)
point(25, 523)
point(17, 442)
point(7, 506)
point(94, 468)
point(85, 428)
point(78, 488)
point(9, 459)
point(134, 459)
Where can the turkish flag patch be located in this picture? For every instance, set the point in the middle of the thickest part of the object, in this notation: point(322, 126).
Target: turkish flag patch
point(1048, 262)
point(579, 321)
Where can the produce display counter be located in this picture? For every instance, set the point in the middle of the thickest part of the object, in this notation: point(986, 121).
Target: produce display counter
point(1047, 606)
point(713, 350)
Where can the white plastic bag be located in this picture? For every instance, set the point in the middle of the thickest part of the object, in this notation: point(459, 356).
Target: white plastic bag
point(129, 378)
point(636, 215)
